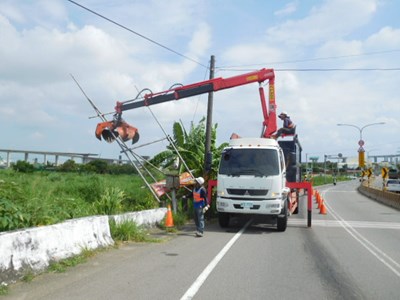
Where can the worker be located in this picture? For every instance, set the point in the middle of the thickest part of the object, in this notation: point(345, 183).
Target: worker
point(288, 125)
point(200, 205)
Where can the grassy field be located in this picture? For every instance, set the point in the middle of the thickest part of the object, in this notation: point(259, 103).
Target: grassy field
point(43, 198)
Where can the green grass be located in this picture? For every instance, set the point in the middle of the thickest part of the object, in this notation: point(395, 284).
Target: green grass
point(28, 277)
point(62, 265)
point(3, 290)
point(45, 198)
point(328, 179)
point(129, 231)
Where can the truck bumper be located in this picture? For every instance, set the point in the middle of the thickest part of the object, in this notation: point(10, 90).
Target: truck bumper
point(261, 207)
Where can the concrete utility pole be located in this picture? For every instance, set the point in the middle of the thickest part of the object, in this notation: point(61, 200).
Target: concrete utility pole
point(207, 152)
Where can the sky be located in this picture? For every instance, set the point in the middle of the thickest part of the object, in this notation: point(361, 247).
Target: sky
point(335, 61)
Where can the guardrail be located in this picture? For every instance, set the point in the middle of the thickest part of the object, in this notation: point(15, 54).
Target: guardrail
point(385, 197)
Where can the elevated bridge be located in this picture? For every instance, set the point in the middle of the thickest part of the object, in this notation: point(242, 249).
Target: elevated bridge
point(85, 157)
point(390, 158)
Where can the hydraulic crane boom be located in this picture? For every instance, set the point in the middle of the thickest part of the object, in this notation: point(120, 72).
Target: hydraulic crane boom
point(118, 127)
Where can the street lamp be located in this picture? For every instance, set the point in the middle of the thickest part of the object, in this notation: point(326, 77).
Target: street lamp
point(361, 151)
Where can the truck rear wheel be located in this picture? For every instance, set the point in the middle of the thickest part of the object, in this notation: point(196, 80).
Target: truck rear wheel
point(282, 219)
point(223, 219)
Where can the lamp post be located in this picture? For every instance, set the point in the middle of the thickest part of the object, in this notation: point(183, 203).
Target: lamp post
point(361, 151)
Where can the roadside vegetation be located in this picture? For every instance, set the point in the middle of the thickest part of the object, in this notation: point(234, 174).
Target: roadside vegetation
point(47, 197)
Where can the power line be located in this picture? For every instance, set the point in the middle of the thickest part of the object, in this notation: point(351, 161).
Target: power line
point(313, 59)
point(138, 34)
point(316, 69)
point(339, 69)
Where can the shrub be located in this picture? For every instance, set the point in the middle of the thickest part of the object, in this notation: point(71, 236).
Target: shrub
point(140, 202)
point(11, 190)
point(86, 187)
point(23, 166)
point(11, 216)
point(97, 166)
point(110, 203)
point(122, 169)
point(128, 231)
point(69, 166)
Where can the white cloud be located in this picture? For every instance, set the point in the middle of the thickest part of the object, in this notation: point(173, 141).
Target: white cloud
point(331, 20)
point(287, 10)
point(386, 38)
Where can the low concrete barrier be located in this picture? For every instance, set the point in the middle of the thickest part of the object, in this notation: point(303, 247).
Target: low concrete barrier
point(33, 249)
point(387, 198)
point(142, 218)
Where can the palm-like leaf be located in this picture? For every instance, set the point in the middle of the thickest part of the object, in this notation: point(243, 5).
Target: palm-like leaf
point(191, 147)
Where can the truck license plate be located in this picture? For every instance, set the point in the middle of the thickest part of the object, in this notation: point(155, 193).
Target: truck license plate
point(246, 204)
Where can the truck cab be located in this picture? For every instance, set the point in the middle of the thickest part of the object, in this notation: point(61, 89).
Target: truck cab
point(252, 180)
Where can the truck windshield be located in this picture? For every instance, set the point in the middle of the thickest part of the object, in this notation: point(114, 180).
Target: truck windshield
point(257, 162)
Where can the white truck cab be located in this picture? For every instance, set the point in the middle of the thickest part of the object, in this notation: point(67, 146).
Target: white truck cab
point(252, 180)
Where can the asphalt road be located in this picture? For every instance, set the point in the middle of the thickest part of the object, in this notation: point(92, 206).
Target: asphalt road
point(353, 252)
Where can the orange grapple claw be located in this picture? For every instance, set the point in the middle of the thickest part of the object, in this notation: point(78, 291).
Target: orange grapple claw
point(109, 131)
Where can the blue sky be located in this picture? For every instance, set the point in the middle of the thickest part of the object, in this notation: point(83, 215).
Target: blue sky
point(43, 41)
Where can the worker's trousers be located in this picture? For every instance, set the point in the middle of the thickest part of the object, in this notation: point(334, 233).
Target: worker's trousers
point(199, 219)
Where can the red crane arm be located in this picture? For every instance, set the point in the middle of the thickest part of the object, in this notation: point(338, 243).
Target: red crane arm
point(199, 88)
point(117, 127)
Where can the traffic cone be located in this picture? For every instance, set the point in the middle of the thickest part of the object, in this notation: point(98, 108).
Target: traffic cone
point(318, 200)
point(169, 221)
point(322, 209)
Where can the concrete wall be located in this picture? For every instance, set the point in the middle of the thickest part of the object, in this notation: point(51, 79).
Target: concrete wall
point(387, 198)
point(32, 250)
point(142, 218)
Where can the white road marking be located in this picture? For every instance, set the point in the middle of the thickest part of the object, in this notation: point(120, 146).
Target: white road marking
point(344, 191)
point(354, 224)
point(191, 292)
point(374, 250)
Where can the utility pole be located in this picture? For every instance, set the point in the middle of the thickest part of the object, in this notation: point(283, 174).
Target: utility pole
point(207, 152)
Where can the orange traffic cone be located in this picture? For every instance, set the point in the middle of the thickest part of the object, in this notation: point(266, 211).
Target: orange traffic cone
point(169, 222)
point(318, 200)
point(322, 209)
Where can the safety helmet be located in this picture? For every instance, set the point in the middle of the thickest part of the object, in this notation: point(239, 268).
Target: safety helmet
point(284, 113)
point(200, 180)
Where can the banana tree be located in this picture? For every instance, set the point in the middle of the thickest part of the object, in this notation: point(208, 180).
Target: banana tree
point(191, 147)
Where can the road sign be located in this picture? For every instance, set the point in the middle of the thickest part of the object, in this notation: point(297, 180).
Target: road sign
point(369, 172)
point(385, 173)
point(361, 159)
point(361, 143)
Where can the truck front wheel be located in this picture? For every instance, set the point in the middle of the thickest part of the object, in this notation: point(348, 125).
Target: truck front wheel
point(223, 219)
point(283, 218)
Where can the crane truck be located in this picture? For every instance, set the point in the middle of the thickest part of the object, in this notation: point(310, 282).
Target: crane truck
point(254, 173)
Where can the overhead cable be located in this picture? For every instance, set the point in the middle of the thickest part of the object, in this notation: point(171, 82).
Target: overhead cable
point(312, 59)
point(138, 34)
point(316, 69)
